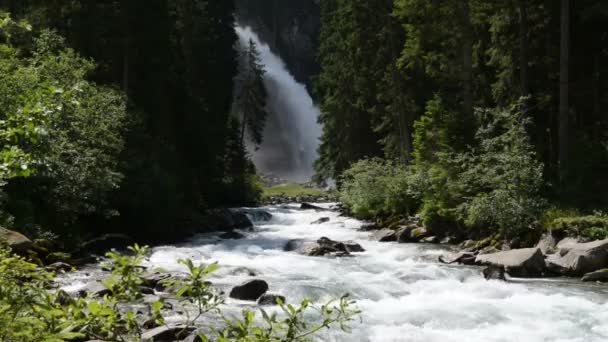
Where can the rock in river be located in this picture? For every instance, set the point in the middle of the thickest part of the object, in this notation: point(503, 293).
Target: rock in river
point(385, 235)
point(600, 276)
point(270, 299)
point(251, 290)
point(321, 220)
point(525, 262)
point(576, 259)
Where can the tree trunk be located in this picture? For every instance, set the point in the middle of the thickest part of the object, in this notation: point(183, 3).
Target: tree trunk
point(595, 86)
point(564, 80)
point(523, 49)
point(467, 61)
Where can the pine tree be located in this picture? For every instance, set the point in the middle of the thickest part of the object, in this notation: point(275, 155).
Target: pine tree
point(250, 102)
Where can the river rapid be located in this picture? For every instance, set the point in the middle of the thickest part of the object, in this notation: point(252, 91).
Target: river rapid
point(405, 294)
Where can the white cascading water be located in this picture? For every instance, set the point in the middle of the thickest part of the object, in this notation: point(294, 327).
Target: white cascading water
point(404, 293)
point(292, 133)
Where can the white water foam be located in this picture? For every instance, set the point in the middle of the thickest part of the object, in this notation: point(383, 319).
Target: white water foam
point(404, 293)
point(292, 133)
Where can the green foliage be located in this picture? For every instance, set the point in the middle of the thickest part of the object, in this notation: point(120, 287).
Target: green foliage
point(126, 279)
point(573, 224)
point(503, 175)
point(250, 97)
point(292, 326)
point(29, 312)
point(376, 187)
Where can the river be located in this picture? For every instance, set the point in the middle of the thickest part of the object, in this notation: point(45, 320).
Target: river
point(405, 294)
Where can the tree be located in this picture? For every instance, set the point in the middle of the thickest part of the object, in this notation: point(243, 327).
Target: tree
point(564, 80)
point(251, 95)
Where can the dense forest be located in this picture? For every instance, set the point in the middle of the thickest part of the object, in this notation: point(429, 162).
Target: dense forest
point(149, 143)
point(489, 112)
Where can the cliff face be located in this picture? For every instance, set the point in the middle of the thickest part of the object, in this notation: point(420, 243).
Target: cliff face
point(290, 27)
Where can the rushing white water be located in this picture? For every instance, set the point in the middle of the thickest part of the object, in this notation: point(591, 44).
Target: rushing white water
point(292, 133)
point(404, 293)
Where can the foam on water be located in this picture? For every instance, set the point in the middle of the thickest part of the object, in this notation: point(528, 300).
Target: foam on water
point(404, 293)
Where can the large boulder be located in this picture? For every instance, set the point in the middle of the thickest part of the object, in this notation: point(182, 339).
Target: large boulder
point(251, 290)
point(599, 276)
point(525, 262)
point(308, 206)
point(323, 247)
point(547, 244)
point(300, 246)
point(18, 242)
point(465, 258)
point(403, 233)
point(385, 235)
point(576, 259)
point(227, 220)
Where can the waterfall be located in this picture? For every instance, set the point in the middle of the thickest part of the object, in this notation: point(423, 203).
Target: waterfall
point(291, 136)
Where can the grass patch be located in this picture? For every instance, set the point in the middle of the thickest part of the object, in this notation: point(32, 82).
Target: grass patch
point(292, 190)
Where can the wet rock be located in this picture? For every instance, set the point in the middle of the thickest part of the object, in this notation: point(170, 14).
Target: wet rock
point(321, 220)
point(494, 273)
point(576, 259)
point(95, 290)
point(153, 280)
point(430, 239)
point(418, 234)
point(59, 267)
point(232, 236)
point(465, 258)
point(547, 244)
point(258, 215)
point(146, 290)
point(525, 262)
point(599, 276)
point(167, 333)
point(300, 246)
point(448, 240)
point(323, 247)
point(18, 242)
point(251, 290)
point(226, 220)
point(369, 227)
point(403, 234)
point(270, 299)
point(353, 247)
point(308, 206)
point(385, 235)
point(105, 243)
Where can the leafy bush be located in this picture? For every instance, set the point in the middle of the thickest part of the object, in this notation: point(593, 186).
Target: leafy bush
point(504, 175)
point(494, 186)
point(376, 187)
point(58, 130)
point(591, 227)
